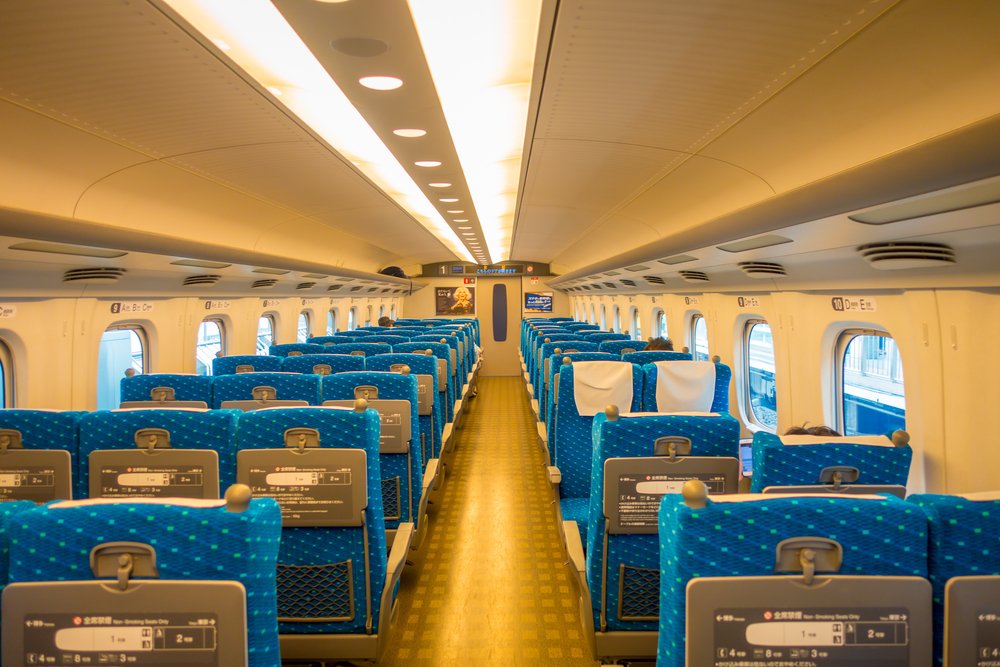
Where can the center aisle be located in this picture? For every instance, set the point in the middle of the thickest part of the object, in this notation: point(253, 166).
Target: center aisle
point(490, 586)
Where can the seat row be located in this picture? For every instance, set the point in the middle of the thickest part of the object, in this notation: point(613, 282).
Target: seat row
point(309, 553)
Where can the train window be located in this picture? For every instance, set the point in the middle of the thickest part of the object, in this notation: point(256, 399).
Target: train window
point(381, 311)
point(870, 384)
point(616, 321)
point(660, 325)
point(6, 377)
point(699, 334)
point(636, 327)
point(265, 334)
point(368, 322)
point(392, 313)
point(302, 331)
point(211, 342)
point(758, 371)
point(331, 322)
point(352, 319)
point(604, 317)
point(121, 349)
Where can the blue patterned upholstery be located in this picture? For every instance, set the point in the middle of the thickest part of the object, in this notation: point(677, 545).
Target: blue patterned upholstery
point(650, 356)
point(573, 448)
point(546, 351)
point(189, 429)
point(336, 339)
point(456, 364)
point(576, 509)
point(775, 464)
point(619, 346)
point(539, 352)
point(731, 539)
point(407, 332)
point(581, 326)
point(324, 547)
point(53, 543)
point(44, 429)
point(359, 333)
point(534, 332)
point(258, 363)
point(286, 349)
point(431, 426)
point(338, 363)
point(366, 348)
point(602, 336)
point(964, 541)
point(723, 375)
point(549, 394)
point(407, 468)
point(441, 351)
point(636, 437)
point(289, 386)
point(389, 339)
point(186, 387)
point(8, 510)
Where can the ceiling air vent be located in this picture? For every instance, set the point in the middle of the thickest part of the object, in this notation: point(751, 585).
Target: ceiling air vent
point(372, 289)
point(907, 255)
point(762, 269)
point(265, 283)
point(611, 285)
point(333, 288)
point(628, 283)
point(654, 280)
point(202, 280)
point(305, 286)
point(355, 288)
point(97, 275)
point(694, 277)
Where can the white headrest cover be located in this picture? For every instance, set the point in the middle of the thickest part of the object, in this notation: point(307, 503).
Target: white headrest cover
point(685, 386)
point(869, 440)
point(598, 384)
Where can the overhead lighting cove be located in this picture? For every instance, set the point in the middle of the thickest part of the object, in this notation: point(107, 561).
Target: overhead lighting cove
point(381, 82)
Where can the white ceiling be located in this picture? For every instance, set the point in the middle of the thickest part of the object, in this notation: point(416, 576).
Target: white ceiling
point(655, 119)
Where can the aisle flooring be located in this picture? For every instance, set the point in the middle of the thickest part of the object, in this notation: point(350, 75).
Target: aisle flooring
point(490, 585)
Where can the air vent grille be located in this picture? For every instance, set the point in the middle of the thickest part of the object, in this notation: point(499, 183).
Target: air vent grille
point(654, 280)
point(628, 283)
point(762, 269)
point(694, 277)
point(202, 280)
point(94, 275)
point(356, 288)
point(611, 285)
point(372, 289)
point(907, 255)
point(333, 288)
point(305, 285)
point(265, 283)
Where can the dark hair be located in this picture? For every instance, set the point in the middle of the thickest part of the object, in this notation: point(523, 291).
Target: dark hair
point(660, 344)
point(812, 430)
point(384, 322)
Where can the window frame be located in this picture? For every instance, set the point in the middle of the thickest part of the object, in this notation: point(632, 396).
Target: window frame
point(635, 323)
point(693, 336)
point(843, 341)
point(298, 322)
point(332, 317)
point(593, 314)
point(140, 334)
point(274, 332)
point(659, 317)
point(352, 318)
point(392, 312)
point(750, 417)
point(223, 336)
point(7, 395)
point(616, 318)
point(603, 322)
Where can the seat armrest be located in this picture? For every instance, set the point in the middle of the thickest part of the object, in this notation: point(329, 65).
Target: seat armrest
point(446, 435)
point(394, 570)
point(429, 479)
point(574, 549)
point(555, 477)
point(543, 434)
point(534, 407)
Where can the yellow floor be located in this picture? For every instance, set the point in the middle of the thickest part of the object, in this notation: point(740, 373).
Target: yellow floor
point(489, 585)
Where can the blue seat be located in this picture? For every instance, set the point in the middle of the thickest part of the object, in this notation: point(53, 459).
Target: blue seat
point(363, 349)
point(456, 365)
point(8, 510)
point(205, 542)
point(39, 438)
point(603, 336)
point(538, 353)
point(711, 378)
point(585, 389)
point(193, 390)
point(335, 584)
point(621, 347)
point(360, 332)
point(295, 349)
point(964, 550)
point(401, 466)
point(545, 353)
point(878, 460)
point(644, 357)
point(175, 430)
point(323, 364)
point(445, 385)
point(725, 538)
point(265, 390)
point(245, 363)
point(552, 382)
point(387, 338)
point(430, 408)
point(580, 326)
point(335, 339)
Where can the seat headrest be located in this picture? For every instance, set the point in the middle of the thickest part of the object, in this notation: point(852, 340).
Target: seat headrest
point(685, 386)
point(598, 384)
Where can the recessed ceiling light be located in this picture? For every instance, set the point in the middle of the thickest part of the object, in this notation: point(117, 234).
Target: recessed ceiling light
point(465, 227)
point(274, 90)
point(380, 82)
point(467, 234)
point(461, 219)
point(440, 185)
point(428, 163)
point(448, 200)
point(409, 133)
point(457, 211)
point(332, 2)
point(222, 44)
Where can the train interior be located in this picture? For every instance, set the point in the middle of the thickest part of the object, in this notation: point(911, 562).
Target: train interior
point(506, 332)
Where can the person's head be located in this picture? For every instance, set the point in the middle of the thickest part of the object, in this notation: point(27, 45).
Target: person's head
point(660, 344)
point(384, 322)
point(821, 430)
point(462, 295)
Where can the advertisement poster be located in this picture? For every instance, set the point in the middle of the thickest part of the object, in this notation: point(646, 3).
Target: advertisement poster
point(455, 300)
point(538, 302)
